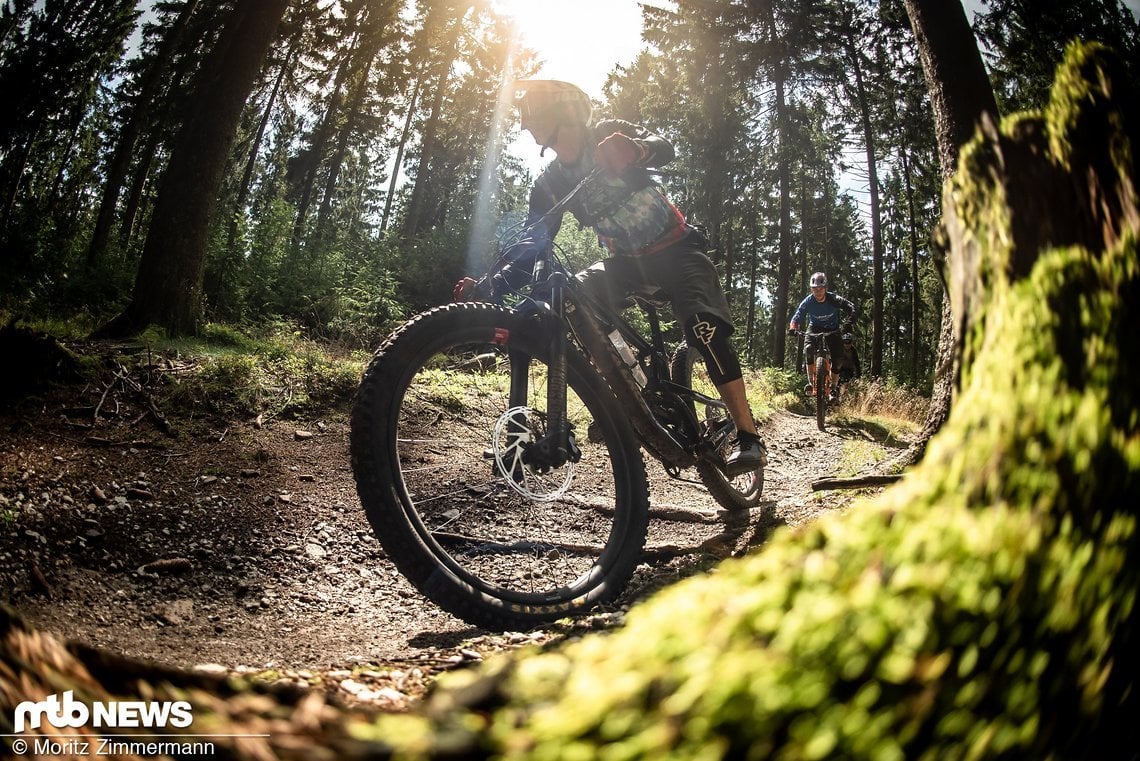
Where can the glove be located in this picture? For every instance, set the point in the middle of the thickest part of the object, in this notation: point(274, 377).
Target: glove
point(792, 329)
point(464, 289)
point(618, 152)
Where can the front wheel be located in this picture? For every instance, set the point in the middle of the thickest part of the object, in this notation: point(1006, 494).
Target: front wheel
point(820, 390)
point(742, 492)
point(443, 437)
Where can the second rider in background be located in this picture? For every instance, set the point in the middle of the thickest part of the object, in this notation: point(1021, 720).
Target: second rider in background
point(822, 309)
point(652, 247)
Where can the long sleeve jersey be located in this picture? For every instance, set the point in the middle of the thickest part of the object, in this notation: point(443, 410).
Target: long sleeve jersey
point(629, 212)
point(824, 315)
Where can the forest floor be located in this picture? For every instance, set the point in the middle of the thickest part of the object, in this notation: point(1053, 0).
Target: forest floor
point(239, 546)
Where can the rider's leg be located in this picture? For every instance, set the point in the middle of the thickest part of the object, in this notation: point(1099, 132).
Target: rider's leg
point(708, 334)
point(735, 397)
point(610, 285)
point(690, 280)
point(835, 344)
point(809, 367)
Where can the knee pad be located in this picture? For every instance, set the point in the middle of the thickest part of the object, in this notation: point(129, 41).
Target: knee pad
point(708, 334)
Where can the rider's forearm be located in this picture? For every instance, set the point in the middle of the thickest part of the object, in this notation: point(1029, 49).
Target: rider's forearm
point(658, 150)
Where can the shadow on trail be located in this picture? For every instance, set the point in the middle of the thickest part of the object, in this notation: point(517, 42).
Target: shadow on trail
point(742, 531)
point(861, 428)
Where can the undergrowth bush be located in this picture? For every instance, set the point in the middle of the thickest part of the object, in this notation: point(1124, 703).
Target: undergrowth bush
point(276, 373)
point(886, 399)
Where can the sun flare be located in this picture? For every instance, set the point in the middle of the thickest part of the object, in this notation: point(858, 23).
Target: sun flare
point(579, 41)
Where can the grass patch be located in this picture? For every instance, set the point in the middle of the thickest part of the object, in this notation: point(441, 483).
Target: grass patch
point(273, 373)
point(855, 455)
point(885, 401)
point(772, 389)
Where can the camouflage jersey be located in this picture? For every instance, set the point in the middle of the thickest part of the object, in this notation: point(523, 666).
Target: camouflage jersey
point(630, 213)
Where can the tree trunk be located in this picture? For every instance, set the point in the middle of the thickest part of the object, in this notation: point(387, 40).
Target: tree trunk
point(960, 92)
point(405, 133)
point(353, 108)
point(321, 136)
point(961, 96)
point(168, 286)
point(780, 305)
point(145, 158)
point(255, 147)
point(413, 221)
point(121, 159)
point(915, 294)
point(753, 272)
point(132, 207)
point(876, 369)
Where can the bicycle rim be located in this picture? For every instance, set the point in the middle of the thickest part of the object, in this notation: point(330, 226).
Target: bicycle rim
point(496, 541)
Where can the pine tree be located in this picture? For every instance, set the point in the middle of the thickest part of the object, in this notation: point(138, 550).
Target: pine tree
point(168, 287)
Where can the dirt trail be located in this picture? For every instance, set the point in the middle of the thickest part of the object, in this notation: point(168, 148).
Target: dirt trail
point(245, 546)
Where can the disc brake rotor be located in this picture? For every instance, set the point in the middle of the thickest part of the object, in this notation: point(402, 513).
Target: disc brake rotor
point(516, 430)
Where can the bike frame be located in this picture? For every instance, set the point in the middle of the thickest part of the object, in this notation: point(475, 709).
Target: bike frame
point(818, 341)
point(590, 321)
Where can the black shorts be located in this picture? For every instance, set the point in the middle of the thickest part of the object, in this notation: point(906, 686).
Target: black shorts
point(682, 272)
point(834, 344)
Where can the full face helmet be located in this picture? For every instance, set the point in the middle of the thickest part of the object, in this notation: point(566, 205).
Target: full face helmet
point(819, 280)
point(546, 105)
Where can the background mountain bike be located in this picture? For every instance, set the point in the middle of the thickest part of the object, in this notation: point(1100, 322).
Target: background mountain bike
point(497, 449)
point(824, 385)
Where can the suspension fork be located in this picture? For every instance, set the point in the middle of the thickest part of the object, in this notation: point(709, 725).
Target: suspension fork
point(557, 446)
point(557, 425)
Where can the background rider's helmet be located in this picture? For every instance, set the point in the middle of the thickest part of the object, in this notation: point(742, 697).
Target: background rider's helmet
point(819, 280)
point(562, 101)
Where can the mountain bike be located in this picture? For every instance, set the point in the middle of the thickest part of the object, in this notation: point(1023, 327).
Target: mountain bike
point(497, 447)
point(824, 385)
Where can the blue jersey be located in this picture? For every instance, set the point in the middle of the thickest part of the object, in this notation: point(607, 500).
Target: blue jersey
point(823, 315)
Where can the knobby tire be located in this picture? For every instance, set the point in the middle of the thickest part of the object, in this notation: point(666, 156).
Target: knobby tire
point(820, 391)
point(423, 459)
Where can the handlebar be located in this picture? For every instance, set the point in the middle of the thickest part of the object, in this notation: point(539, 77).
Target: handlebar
point(800, 332)
point(521, 238)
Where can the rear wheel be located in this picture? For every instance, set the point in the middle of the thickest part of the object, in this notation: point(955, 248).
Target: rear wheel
point(443, 450)
point(820, 390)
point(742, 492)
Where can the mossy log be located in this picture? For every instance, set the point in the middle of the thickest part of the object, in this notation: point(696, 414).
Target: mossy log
point(983, 607)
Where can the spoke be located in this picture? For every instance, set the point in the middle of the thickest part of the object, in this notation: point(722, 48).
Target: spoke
point(466, 491)
point(481, 546)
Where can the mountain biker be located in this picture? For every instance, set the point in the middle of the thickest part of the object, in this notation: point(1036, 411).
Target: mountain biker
point(651, 246)
point(853, 366)
point(822, 309)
